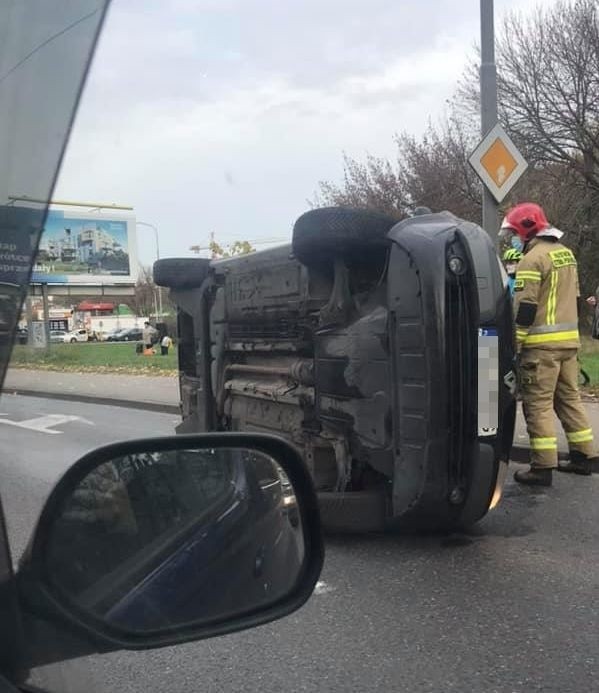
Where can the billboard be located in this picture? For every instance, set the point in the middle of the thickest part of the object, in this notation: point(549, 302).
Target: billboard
point(86, 248)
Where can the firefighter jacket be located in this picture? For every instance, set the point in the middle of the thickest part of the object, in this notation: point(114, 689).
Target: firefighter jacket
point(546, 297)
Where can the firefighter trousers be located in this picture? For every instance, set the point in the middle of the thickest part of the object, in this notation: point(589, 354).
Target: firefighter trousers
point(548, 384)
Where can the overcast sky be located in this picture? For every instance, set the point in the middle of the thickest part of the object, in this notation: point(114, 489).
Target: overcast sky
point(223, 115)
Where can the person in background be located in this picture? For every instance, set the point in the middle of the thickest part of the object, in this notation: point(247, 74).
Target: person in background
point(147, 335)
point(511, 258)
point(593, 302)
point(165, 344)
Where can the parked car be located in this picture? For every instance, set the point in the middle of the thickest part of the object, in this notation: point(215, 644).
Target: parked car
point(74, 336)
point(112, 336)
point(133, 334)
point(22, 335)
point(58, 336)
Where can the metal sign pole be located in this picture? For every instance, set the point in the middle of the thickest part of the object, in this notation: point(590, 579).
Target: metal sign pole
point(46, 312)
point(155, 230)
point(488, 105)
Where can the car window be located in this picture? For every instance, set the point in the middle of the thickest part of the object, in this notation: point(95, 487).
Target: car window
point(34, 42)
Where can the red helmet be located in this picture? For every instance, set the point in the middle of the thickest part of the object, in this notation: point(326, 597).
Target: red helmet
point(526, 219)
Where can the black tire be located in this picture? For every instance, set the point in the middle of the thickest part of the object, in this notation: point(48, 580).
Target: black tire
point(181, 273)
point(332, 231)
point(73, 341)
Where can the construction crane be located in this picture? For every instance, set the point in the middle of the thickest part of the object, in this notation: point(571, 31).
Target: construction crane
point(253, 242)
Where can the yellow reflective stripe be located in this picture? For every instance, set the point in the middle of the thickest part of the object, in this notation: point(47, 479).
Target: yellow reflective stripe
point(543, 443)
point(571, 335)
point(557, 327)
point(585, 436)
point(533, 275)
point(552, 300)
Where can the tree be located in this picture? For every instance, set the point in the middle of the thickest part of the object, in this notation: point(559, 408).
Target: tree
point(432, 171)
point(548, 93)
point(145, 297)
point(548, 84)
point(435, 169)
point(236, 248)
point(376, 184)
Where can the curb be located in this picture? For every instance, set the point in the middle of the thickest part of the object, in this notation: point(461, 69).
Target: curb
point(92, 399)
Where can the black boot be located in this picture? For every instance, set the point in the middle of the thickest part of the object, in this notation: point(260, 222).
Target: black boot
point(535, 476)
point(579, 464)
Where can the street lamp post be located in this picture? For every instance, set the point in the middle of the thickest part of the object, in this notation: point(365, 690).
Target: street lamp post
point(155, 230)
point(488, 104)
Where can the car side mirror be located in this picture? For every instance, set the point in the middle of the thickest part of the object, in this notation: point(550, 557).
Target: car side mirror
point(153, 542)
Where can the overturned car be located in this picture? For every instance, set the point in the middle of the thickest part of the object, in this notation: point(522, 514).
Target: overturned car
point(382, 351)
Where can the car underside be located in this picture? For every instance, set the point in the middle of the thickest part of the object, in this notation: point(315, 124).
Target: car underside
point(359, 343)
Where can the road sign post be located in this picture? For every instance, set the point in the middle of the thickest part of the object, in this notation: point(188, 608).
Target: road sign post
point(46, 313)
point(488, 104)
point(498, 164)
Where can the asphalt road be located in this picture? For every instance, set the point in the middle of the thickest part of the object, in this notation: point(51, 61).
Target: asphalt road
point(510, 607)
point(36, 452)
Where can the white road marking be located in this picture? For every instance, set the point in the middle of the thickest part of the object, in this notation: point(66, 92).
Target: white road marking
point(45, 424)
point(322, 588)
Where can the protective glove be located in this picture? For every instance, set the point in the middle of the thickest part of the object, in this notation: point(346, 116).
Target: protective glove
point(512, 378)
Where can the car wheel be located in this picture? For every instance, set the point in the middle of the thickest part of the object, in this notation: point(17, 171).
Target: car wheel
point(73, 341)
point(324, 233)
point(181, 273)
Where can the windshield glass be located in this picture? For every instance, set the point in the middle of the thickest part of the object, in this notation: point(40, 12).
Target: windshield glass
point(44, 56)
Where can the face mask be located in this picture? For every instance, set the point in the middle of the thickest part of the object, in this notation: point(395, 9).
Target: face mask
point(510, 268)
point(516, 243)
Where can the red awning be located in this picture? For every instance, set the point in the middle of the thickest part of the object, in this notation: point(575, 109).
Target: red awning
point(88, 305)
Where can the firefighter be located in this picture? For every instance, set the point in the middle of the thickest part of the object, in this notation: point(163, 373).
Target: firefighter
point(546, 314)
point(511, 258)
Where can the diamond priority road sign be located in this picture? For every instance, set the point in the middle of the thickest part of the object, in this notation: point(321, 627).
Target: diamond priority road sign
point(497, 162)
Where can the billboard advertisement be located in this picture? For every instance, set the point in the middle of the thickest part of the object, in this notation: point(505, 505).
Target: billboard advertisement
point(86, 248)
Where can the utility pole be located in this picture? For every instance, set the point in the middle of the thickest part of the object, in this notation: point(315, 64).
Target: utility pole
point(488, 105)
point(155, 230)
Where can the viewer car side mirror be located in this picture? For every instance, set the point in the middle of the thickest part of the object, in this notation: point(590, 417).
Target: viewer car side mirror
point(153, 542)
